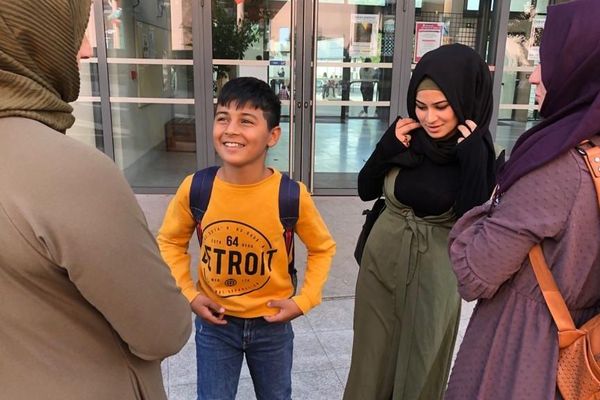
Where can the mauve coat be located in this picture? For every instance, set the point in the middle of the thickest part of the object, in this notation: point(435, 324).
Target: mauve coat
point(510, 348)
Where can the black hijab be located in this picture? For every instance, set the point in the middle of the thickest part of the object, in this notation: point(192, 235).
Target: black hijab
point(570, 58)
point(465, 80)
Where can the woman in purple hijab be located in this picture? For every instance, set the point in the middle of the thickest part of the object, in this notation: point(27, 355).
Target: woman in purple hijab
point(545, 195)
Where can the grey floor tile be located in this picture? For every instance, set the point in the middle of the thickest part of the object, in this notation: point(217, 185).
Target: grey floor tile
point(245, 390)
point(245, 373)
point(182, 366)
point(332, 315)
point(340, 286)
point(316, 385)
point(154, 207)
point(164, 368)
point(338, 346)
point(192, 338)
point(342, 374)
point(182, 392)
point(465, 316)
point(309, 354)
point(301, 325)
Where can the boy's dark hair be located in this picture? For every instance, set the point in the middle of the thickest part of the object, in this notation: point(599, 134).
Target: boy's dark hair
point(254, 92)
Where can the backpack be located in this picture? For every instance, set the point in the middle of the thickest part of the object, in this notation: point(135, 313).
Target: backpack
point(578, 374)
point(289, 206)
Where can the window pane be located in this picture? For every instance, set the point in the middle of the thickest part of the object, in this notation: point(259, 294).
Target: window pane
point(518, 111)
point(150, 68)
point(87, 112)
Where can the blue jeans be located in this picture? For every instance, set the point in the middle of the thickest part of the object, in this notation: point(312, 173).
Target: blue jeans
point(220, 351)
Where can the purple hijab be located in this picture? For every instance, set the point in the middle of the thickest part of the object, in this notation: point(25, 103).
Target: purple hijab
point(570, 58)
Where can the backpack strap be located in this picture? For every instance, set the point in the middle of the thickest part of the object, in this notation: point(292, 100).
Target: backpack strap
point(289, 208)
point(567, 331)
point(200, 191)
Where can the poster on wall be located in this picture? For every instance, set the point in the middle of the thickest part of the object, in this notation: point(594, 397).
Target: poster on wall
point(428, 36)
point(537, 29)
point(363, 34)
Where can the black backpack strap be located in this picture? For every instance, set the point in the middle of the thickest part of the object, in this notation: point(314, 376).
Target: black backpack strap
point(200, 190)
point(289, 208)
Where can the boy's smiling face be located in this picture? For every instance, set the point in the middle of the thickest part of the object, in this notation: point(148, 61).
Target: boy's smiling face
point(241, 135)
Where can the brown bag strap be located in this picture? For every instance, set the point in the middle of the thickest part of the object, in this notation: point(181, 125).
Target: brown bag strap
point(554, 300)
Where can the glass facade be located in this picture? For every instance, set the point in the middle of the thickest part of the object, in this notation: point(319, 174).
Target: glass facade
point(340, 67)
point(352, 87)
point(518, 111)
point(88, 117)
point(253, 38)
point(150, 74)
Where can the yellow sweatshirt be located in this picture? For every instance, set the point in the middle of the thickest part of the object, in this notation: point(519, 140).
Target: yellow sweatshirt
point(243, 262)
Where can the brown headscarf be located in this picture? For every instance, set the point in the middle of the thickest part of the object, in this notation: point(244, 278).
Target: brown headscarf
point(39, 75)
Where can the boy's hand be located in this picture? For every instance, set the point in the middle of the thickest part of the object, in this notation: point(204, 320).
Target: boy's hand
point(208, 310)
point(288, 310)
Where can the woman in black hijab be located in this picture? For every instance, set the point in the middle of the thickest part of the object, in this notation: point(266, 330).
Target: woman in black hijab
point(431, 167)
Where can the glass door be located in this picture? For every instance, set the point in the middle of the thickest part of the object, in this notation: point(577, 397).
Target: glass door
point(352, 68)
point(518, 109)
point(256, 38)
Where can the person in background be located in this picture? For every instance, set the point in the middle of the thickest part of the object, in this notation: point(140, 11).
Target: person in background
point(87, 306)
point(432, 167)
point(368, 77)
point(545, 196)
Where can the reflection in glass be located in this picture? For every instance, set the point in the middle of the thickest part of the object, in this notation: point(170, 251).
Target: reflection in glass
point(259, 34)
point(88, 124)
point(154, 143)
point(355, 48)
point(88, 116)
point(521, 55)
point(459, 22)
point(278, 156)
point(253, 38)
point(341, 149)
point(162, 81)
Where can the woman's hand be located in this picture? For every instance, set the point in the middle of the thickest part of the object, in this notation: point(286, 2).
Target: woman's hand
point(466, 129)
point(403, 127)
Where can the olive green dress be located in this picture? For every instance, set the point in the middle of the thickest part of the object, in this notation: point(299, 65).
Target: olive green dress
point(407, 307)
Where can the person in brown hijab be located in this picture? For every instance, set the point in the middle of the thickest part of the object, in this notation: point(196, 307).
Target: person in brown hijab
point(87, 307)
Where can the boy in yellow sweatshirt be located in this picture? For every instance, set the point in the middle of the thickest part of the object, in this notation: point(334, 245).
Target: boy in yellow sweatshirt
point(245, 296)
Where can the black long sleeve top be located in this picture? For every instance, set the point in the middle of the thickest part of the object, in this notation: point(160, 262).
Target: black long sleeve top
point(429, 188)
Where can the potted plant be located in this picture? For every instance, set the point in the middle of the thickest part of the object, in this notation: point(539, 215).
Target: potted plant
point(231, 38)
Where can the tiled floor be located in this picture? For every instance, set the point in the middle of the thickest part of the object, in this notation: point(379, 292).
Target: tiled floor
point(323, 341)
